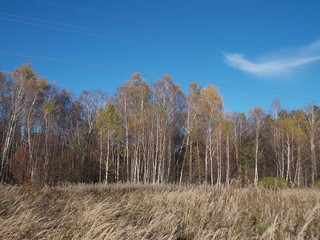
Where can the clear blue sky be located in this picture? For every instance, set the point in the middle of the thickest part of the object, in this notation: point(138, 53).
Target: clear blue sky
point(270, 46)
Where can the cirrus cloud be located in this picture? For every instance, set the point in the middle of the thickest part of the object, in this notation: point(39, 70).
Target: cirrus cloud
point(275, 64)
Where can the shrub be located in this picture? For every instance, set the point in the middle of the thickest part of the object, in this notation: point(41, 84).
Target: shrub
point(317, 184)
point(273, 182)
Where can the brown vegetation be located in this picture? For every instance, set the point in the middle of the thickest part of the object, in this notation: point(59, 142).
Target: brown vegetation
point(148, 133)
point(132, 211)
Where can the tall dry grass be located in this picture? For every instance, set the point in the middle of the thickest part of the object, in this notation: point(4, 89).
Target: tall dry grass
point(128, 211)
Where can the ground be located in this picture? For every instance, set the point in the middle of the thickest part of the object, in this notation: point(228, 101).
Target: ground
point(133, 211)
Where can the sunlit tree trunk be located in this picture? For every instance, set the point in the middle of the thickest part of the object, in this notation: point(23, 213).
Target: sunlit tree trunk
point(257, 115)
point(256, 152)
point(101, 157)
point(107, 160)
point(288, 145)
point(228, 161)
point(313, 123)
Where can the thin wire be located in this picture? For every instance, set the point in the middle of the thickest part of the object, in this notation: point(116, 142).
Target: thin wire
point(3, 52)
point(226, 102)
point(157, 24)
point(65, 79)
point(253, 17)
point(90, 34)
point(102, 31)
point(267, 92)
point(116, 39)
point(104, 13)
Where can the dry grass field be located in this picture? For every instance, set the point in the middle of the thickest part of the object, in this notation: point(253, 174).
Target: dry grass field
point(128, 211)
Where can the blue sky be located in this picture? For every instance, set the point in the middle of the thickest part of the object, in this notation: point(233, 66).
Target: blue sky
point(253, 51)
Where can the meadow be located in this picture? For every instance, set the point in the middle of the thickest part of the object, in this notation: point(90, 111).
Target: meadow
point(136, 211)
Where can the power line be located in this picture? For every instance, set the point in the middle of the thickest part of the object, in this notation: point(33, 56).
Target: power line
point(267, 92)
point(3, 52)
point(152, 74)
point(117, 39)
point(97, 30)
point(253, 17)
point(88, 34)
point(65, 79)
point(90, 82)
point(103, 13)
point(158, 24)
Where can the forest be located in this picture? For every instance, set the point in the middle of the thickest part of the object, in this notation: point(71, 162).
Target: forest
point(148, 133)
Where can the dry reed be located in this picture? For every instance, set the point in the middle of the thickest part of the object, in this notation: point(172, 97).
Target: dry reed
point(133, 211)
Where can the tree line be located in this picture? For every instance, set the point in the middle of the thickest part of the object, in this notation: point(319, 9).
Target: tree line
point(149, 133)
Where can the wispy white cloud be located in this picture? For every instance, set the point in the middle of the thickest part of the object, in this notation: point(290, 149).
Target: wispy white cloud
point(279, 63)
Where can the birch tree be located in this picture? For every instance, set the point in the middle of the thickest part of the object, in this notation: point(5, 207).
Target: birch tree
point(256, 117)
point(108, 123)
point(212, 109)
point(22, 80)
point(169, 101)
point(312, 116)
